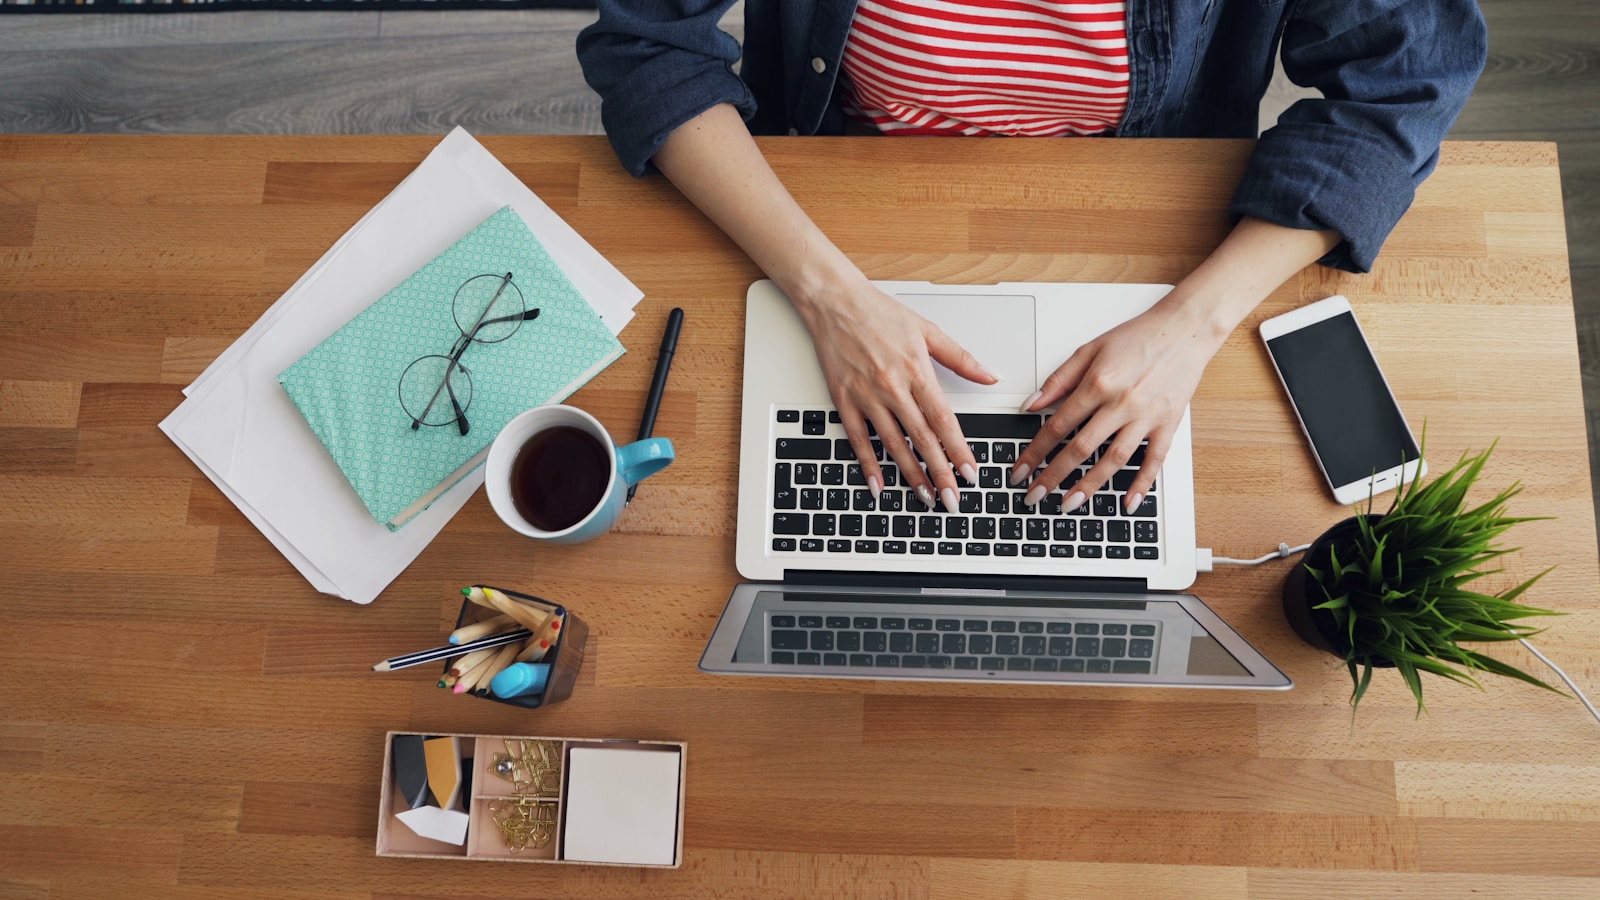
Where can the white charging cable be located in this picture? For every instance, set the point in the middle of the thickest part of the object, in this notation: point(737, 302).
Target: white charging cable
point(1204, 562)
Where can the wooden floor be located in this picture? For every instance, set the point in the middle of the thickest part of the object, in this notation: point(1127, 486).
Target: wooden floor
point(499, 72)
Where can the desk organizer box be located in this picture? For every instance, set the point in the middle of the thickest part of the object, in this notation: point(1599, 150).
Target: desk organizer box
point(565, 655)
point(622, 805)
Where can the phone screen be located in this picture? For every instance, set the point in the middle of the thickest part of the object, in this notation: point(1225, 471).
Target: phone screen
point(1354, 425)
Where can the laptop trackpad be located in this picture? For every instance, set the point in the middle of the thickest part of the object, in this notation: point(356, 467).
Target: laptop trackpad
point(997, 329)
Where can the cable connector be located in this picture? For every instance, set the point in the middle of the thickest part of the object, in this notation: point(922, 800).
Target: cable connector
point(1202, 559)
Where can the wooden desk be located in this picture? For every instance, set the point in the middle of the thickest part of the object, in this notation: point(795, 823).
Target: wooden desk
point(183, 715)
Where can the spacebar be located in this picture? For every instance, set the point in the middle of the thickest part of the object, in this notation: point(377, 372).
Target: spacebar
point(999, 425)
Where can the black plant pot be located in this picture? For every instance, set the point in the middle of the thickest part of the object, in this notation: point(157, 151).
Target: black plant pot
point(1301, 594)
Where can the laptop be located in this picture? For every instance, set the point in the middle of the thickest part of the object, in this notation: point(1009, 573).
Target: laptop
point(845, 584)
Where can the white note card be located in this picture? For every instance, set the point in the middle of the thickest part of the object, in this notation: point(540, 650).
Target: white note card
point(622, 806)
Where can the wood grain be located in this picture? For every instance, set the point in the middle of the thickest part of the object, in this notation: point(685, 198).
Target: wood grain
point(185, 717)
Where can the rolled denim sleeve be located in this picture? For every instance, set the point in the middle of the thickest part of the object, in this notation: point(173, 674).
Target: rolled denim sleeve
point(657, 64)
point(1394, 74)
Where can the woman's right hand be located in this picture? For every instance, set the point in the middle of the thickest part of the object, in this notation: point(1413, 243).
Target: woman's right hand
point(877, 356)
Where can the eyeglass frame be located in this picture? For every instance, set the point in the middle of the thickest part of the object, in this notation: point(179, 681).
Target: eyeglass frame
point(457, 349)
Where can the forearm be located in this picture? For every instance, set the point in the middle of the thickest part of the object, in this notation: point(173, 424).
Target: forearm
point(1252, 262)
point(715, 163)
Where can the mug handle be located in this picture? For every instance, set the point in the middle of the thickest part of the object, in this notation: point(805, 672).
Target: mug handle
point(641, 459)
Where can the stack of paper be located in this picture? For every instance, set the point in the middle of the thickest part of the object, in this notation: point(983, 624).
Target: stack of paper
point(241, 429)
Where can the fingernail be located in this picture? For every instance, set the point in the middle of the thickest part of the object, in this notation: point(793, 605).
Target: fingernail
point(1027, 405)
point(969, 472)
point(1073, 501)
point(925, 494)
point(1020, 473)
point(1133, 501)
point(1034, 495)
point(875, 485)
point(948, 495)
point(993, 376)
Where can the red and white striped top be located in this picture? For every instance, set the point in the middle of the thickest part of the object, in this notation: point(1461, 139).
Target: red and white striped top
point(1013, 67)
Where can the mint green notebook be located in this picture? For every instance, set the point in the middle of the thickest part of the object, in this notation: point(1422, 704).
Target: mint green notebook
point(348, 386)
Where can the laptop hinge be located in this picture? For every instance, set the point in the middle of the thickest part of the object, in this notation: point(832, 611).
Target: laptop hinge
point(833, 578)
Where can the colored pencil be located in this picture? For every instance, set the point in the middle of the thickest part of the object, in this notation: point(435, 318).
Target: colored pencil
point(449, 650)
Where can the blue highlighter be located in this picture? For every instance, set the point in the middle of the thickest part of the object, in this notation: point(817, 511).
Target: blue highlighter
point(520, 678)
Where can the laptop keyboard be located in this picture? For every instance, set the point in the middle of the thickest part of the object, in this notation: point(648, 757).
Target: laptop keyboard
point(821, 503)
point(972, 644)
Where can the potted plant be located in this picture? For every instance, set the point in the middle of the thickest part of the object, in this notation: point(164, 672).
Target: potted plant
point(1398, 589)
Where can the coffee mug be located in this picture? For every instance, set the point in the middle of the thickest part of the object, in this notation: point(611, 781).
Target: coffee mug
point(555, 474)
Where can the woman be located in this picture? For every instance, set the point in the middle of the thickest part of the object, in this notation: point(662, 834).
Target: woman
point(1326, 185)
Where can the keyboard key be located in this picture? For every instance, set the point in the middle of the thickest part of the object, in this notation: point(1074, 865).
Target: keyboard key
point(803, 448)
point(836, 622)
point(974, 625)
point(891, 501)
point(1122, 479)
point(927, 642)
point(1141, 648)
point(1064, 530)
point(949, 548)
point(1089, 530)
point(887, 661)
point(1145, 532)
point(992, 477)
point(900, 642)
point(850, 525)
point(1059, 628)
point(866, 546)
point(874, 642)
point(810, 545)
point(971, 502)
point(809, 659)
point(980, 644)
point(1104, 505)
point(843, 450)
point(1031, 627)
point(953, 644)
point(977, 549)
point(1005, 549)
point(996, 504)
point(1119, 531)
point(1086, 646)
point(1114, 629)
point(805, 473)
point(783, 657)
point(922, 548)
point(1146, 508)
point(980, 451)
point(1050, 505)
point(822, 640)
point(1004, 451)
point(811, 498)
point(1113, 647)
point(784, 545)
point(966, 662)
point(788, 415)
point(930, 527)
point(946, 624)
point(878, 526)
point(788, 639)
point(863, 500)
point(1100, 665)
point(1038, 529)
point(894, 547)
point(833, 659)
point(839, 499)
point(1010, 529)
point(785, 498)
point(1033, 645)
point(920, 624)
point(864, 622)
point(1130, 667)
point(1086, 628)
point(833, 417)
point(1060, 646)
point(993, 664)
point(1019, 664)
point(938, 662)
point(905, 526)
point(1118, 551)
point(913, 661)
point(1089, 551)
point(1072, 665)
point(824, 524)
point(860, 660)
point(1006, 644)
point(791, 523)
point(957, 527)
point(1061, 551)
point(1003, 627)
point(1019, 506)
point(783, 621)
point(895, 624)
point(812, 421)
point(1142, 630)
point(1046, 664)
point(1000, 425)
point(1033, 551)
point(848, 641)
point(983, 529)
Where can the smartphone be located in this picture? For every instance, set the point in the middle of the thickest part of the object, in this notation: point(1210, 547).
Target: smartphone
point(1346, 409)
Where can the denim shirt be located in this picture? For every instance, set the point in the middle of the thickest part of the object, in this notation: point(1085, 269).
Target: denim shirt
point(1393, 76)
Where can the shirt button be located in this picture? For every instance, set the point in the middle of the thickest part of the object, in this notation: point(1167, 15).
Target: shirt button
point(818, 65)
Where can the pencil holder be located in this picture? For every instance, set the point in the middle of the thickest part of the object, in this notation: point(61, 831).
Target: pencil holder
point(565, 655)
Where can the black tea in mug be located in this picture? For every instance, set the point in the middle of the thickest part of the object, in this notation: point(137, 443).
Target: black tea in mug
point(559, 477)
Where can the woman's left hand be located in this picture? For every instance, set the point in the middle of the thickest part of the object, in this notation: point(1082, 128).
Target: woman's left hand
point(1125, 387)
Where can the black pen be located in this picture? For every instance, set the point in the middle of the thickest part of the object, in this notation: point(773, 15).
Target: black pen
point(658, 384)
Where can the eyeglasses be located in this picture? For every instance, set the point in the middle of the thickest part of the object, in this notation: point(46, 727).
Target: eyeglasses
point(436, 390)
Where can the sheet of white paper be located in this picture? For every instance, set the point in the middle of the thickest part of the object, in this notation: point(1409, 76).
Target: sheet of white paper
point(448, 825)
point(242, 430)
point(621, 806)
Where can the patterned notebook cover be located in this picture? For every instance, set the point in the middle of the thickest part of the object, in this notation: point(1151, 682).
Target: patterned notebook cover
point(347, 387)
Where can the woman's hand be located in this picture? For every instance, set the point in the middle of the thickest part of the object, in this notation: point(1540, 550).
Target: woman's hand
point(877, 355)
point(1127, 386)
point(1132, 384)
